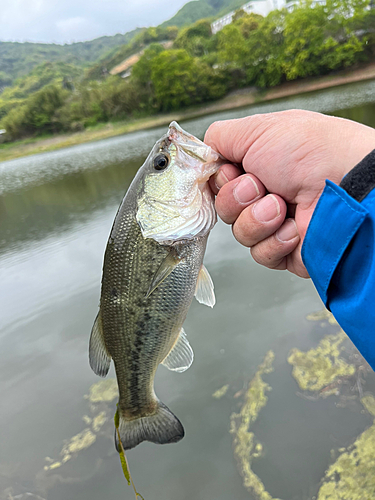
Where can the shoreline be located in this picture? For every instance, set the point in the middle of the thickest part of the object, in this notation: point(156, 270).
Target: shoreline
point(237, 99)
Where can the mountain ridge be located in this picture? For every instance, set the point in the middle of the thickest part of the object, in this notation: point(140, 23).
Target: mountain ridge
point(19, 58)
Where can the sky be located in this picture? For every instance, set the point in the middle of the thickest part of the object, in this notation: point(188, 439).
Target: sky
point(67, 21)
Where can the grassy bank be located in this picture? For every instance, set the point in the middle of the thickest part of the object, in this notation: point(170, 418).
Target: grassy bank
point(245, 97)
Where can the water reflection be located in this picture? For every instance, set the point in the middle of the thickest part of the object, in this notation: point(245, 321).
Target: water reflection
point(55, 206)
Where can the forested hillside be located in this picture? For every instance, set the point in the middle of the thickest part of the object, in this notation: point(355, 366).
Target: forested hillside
point(18, 59)
point(188, 14)
point(138, 42)
point(56, 73)
point(199, 9)
point(312, 39)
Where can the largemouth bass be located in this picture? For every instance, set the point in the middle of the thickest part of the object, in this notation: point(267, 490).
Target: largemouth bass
point(153, 267)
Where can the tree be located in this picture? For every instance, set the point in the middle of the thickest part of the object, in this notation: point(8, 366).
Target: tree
point(195, 38)
point(232, 47)
point(266, 51)
point(180, 80)
point(249, 23)
point(37, 114)
point(317, 38)
point(142, 69)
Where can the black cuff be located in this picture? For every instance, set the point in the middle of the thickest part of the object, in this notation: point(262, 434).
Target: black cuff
point(361, 180)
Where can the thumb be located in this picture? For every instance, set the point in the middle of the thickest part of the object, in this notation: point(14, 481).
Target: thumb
point(233, 138)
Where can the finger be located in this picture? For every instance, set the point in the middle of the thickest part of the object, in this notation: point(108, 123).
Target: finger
point(236, 195)
point(273, 251)
point(233, 138)
point(225, 174)
point(258, 221)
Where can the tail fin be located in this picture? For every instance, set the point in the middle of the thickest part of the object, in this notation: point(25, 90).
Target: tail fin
point(162, 427)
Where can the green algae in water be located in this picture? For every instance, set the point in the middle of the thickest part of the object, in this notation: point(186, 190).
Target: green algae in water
point(369, 403)
point(123, 460)
point(221, 392)
point(315, 369)
point(245, 446)
point(103, 391)
point(352, 476)
point(321, 316)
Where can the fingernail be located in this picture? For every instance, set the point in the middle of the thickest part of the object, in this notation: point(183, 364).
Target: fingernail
point(267, 209)
point(246, 190)
point(220, 179)
point(288, 231)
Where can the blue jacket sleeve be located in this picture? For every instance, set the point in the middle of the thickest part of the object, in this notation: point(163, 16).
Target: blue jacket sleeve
point(338, 252)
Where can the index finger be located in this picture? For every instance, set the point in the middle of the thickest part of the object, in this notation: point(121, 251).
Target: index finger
point(233, 138)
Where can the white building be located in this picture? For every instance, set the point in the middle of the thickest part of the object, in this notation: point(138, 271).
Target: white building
point(262, 7)
point(291, 3)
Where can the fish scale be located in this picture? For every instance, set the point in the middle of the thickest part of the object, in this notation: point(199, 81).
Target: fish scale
point(153, 267)
point(141, 320)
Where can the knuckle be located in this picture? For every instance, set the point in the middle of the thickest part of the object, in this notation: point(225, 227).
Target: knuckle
point(249, 230)
point(269, 253)
point(262, 255)
point(245, 230)
point(240, 235)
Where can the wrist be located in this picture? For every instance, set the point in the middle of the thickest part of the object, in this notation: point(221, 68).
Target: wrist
point(360, 181)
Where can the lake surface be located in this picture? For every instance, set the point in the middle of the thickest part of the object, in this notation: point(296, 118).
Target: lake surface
point(56, 211)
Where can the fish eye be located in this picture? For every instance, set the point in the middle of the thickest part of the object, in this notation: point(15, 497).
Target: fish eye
point(161, 162)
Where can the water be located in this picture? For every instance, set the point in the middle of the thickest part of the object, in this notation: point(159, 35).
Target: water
point(56, 210)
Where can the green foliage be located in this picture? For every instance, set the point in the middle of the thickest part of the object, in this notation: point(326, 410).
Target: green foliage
point(266, 47)
point(180, 80)
point(142, 69)
point(113, 99)
point(263, 52)
point(18, 59)
point(195, 38)
point(195, 10)
point(5, 79)
point(248, 23)
point(318, 40)
point(238, 14)
point(232, 47)
point(36, 115)
point(190, 13)
point(139, 42)
point(39, 77)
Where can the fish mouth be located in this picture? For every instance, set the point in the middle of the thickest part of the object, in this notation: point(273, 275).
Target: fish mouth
point(210, 160)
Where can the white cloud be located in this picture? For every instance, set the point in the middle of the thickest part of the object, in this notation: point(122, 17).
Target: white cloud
point(64, 21)
point(76, 28)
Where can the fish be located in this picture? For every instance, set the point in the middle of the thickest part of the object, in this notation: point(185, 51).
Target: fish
point(153, 268)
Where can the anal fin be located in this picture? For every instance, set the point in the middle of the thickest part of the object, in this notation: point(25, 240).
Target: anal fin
point(181, 355)
point(204, 292)
point(99, 358)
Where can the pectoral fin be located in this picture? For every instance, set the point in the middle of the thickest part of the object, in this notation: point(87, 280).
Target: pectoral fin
point(204, 292)
point(165, 269)
point(98, 354)
point(181, 355)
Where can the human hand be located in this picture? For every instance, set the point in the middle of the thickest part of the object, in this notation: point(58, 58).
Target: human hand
point(286, 157)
